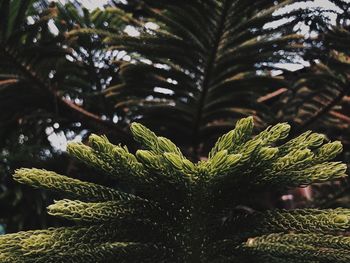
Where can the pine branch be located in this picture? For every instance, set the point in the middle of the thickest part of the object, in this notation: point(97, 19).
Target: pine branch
point(208, 70)
point(177, 215)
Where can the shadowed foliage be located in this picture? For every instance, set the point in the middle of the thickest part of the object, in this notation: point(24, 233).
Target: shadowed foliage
point(201, 65)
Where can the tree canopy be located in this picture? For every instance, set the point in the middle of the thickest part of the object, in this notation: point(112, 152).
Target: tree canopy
point(186, 69)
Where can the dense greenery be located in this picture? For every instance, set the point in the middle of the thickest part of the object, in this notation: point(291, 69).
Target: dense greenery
point(49, 86)
point(189, 70)
point(177, 211)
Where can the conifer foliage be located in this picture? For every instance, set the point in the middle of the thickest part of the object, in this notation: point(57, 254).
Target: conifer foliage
point(196, 67)
point(176, 212)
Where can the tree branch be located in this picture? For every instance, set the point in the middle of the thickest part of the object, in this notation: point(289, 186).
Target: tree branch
point(67, 108)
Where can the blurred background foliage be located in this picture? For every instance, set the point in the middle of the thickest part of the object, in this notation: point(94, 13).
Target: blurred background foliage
point(67, 71)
